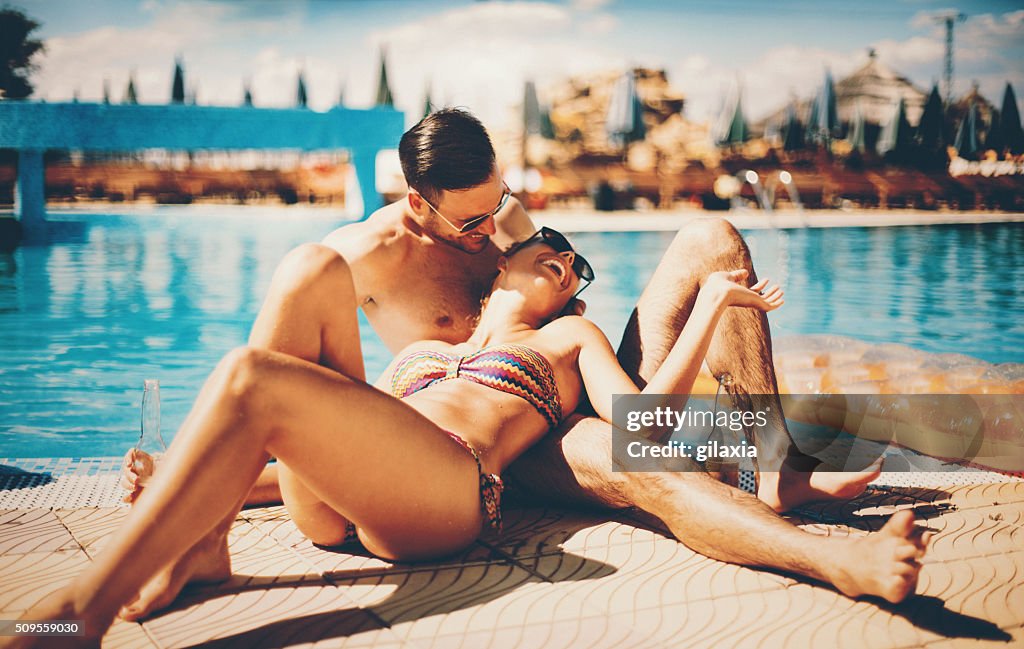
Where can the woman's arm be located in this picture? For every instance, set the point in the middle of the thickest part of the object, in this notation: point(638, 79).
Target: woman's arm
point(603, 377)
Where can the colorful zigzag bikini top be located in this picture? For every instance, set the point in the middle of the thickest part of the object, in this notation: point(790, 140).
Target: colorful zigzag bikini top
point(510, 368)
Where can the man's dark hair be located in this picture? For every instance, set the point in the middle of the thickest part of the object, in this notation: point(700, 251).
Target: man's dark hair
point(447, 150)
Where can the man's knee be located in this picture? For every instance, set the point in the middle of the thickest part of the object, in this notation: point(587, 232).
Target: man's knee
point(710, 234)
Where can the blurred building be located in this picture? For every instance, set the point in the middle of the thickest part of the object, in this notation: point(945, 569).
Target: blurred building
point(579, 112)
point(874, 90)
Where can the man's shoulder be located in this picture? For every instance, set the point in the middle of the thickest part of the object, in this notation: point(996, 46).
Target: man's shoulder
point(380, 236)
point(512, 224)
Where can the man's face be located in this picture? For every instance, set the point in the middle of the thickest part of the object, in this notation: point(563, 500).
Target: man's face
point(454, 209)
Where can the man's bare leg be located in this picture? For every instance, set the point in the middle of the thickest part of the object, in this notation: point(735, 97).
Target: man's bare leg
point(717, 520)
point(741, 347)
point(575, 462)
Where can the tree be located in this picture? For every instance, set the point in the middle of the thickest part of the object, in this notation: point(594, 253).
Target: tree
point(178, 85)
point(16, 52)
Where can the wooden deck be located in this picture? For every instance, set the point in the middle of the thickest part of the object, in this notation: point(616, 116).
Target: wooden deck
point(552, 579)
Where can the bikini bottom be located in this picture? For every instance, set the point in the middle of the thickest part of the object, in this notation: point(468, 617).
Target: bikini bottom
point(491, 488)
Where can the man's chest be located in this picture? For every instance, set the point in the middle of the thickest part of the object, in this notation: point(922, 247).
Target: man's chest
point(426, 299)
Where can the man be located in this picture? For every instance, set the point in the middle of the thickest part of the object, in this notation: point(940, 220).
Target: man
point(421, 266)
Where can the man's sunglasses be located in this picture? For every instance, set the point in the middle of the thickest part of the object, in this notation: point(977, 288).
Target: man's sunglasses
point(476, 221)
point(559, 243)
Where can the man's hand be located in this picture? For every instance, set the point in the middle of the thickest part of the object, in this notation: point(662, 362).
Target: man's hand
point(136, 468)
point(574, 307)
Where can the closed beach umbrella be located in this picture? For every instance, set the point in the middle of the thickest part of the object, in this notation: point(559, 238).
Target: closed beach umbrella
point(826, 125)
point(428, 106)
point(106, 91)
point(810, 133)
point(178, 85)
point(300, 92)
point(1009, 122)
point(793, 131)
point(531, 109)
point(129, 94)
point(624, 122)
point(857, 137)
point(930, 132)
point(966, 142)
point(341, 95)
point(246, 94)
point(536, 118)
point(733, 126)
point(994, 135)
point(547, 129)
point(896, 137)
point(384, 97)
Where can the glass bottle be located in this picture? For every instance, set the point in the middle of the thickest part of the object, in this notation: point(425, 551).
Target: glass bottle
point(150, 443)
point(725, 469)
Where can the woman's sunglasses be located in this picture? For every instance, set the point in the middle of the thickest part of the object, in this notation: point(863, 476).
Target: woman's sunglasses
point(559, 243)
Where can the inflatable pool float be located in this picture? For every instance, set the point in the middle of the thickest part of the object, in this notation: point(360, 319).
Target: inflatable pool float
point(947, 406)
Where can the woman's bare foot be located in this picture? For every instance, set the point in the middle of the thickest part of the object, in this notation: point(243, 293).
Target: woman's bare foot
point(885, 564)
point(783, 490)
point(57, 606)
point(207, 562)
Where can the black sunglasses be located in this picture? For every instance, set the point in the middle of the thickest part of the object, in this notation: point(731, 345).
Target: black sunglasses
point(557, 240)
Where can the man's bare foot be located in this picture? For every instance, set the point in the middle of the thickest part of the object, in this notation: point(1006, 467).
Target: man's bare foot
point(207, 562)
point(783, 490)
point(885, 564)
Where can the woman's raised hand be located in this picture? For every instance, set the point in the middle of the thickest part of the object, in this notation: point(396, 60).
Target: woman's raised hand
point(729, 288)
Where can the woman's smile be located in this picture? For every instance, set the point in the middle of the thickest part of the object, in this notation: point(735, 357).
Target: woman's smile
point(557, 265)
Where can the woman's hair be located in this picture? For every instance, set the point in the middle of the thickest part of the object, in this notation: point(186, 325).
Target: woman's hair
point(447, 150)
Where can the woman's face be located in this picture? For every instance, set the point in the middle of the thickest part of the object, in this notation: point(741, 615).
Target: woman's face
point(541, 273)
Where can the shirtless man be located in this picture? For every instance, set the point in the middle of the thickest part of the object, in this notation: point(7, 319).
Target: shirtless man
point(420, 267)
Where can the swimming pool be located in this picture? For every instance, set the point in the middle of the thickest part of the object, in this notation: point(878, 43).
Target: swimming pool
point(118, 299)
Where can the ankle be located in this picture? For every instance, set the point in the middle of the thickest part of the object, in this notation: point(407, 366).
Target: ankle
point(66, 604)
point(837, 566)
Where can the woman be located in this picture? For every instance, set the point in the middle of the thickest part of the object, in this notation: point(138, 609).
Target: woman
point(415, 472)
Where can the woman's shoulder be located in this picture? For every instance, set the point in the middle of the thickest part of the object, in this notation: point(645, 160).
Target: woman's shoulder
point(572, 325)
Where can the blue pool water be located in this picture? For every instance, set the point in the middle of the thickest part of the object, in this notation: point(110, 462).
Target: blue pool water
point(118, 299)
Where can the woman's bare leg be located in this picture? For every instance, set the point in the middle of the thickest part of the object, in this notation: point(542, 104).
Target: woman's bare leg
point(412, 490)
point(309, 313)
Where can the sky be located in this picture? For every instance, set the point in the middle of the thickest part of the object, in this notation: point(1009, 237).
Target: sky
point(479, 54)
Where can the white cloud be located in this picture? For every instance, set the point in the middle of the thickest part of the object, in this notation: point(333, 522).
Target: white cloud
point(988, 51)
point(477, 55)
point(911, 52)
point(768, 83)
point(930, 19)
point(480, 56)
point(599, 25)
point(589, 5)
point(207, 34)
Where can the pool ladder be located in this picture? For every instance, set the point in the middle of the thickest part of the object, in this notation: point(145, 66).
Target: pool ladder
point(765, 192)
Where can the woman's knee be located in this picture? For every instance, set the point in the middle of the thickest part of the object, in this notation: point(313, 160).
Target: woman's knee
point(246, 378)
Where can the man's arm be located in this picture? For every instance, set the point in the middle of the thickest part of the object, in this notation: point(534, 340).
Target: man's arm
point(513, 224)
